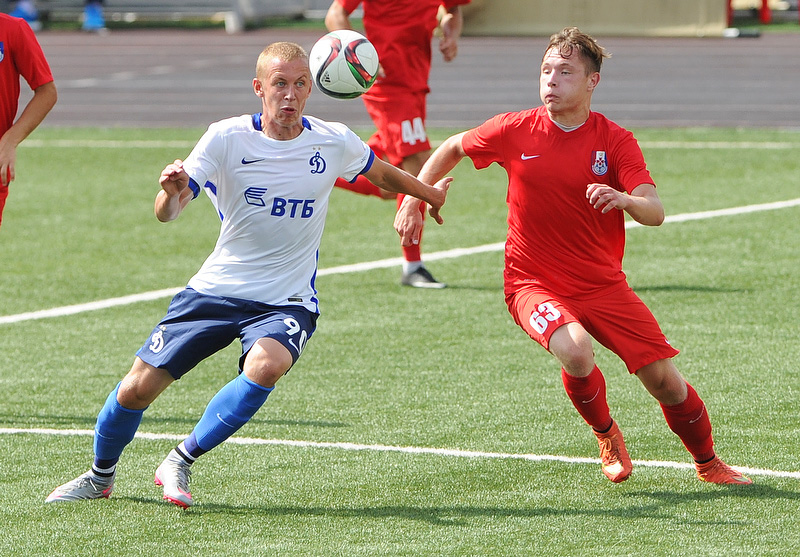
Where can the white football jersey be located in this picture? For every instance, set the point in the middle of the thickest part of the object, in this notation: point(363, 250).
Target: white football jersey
point(272, 198)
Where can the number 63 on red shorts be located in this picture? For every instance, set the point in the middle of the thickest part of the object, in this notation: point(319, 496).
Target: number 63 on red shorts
point(616, 318)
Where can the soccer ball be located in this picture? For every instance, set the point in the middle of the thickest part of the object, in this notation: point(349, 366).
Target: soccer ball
point(344, 64)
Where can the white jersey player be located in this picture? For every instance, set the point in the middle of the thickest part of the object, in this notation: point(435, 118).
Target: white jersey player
point(269, 177)
point(272, 197)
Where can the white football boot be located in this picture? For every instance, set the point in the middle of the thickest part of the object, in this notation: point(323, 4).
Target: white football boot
point(173, 475)
point(85, 486)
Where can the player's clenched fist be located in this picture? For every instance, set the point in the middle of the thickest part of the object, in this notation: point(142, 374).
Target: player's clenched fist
point(175, 193)
point(173, 178)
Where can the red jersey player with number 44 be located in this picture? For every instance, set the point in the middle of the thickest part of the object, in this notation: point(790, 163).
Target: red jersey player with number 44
point(401, 31)
point(572, 173)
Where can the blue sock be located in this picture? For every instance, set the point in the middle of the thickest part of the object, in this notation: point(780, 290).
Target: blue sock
point(230, 409)
point(115, 428)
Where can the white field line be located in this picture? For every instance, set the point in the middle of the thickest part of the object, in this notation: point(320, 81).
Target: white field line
point(701, 215)
point(456, 453)
point(111, 143)
point(90, 306)
point(749, 145)
point(367, 265)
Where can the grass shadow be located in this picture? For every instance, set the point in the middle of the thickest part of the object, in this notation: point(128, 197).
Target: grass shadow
point(687, 288)
point(755, 492)
point(451, 515)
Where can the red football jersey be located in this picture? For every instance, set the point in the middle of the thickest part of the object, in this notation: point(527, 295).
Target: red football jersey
point(20, 54)
point(401, 31)
point(555, 237)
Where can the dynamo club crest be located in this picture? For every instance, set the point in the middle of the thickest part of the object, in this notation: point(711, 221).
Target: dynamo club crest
point(2, 51)
point(599, 163)
point(318, 164)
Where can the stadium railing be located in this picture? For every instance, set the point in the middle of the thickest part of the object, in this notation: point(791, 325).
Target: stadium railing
point(234, 13)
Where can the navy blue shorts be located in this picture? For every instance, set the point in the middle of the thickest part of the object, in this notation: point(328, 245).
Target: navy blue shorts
point(198, 325)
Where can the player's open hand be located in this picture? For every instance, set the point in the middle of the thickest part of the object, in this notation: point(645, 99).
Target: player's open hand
point(448, 46)
point(408, 221)
point(449, 31)
point(433, 209)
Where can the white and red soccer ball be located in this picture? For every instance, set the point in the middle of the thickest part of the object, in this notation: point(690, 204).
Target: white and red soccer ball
point(344, 64)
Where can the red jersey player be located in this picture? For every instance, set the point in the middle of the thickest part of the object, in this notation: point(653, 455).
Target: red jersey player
point(401, 31)
point(20, 55)
point(572, 173)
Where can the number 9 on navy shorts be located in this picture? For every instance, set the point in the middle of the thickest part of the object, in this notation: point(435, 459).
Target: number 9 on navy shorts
point(198, 325)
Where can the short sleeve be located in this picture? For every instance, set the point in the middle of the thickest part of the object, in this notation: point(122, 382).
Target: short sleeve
point(204, 161)
point(484, 144)
point(357, 158)
point(630, 164)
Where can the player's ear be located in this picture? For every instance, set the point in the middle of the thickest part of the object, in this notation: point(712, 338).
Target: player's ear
point(258, 89)
point(594, 80)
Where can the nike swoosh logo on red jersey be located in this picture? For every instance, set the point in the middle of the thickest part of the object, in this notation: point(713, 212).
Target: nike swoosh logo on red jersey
point(525, 157)
point(598, 390)
point(700, 416)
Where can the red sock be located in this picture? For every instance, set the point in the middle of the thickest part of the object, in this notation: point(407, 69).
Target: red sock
point(412, 253)
point(689, 420)
point(361, 185)
point(588, 395)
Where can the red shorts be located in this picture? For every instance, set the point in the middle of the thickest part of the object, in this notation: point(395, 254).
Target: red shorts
point(3, 196)
point(401, 126)
point(618, 319)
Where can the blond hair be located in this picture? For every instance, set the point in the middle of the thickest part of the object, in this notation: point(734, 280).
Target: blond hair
point(283, 51)
point(572, 38)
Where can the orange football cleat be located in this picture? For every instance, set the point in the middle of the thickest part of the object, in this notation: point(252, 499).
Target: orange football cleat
point(717, 472)
point(616, 463)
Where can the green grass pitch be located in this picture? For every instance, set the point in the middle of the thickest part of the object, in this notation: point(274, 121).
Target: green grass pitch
point(396, 368)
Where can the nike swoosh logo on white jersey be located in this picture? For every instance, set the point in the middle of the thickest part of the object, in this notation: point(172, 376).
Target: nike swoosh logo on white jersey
point(525, 157)
point(250, 161)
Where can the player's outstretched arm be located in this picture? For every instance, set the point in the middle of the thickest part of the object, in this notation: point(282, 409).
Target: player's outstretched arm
point(175, 192)
point(391, 178)
point(408, 220)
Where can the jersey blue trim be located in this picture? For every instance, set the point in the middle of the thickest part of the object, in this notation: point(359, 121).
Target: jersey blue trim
point(369, 162)
point(314, 298)
point(194, 187)
point(258, 127)
point(212, 187)
point(366, 167)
